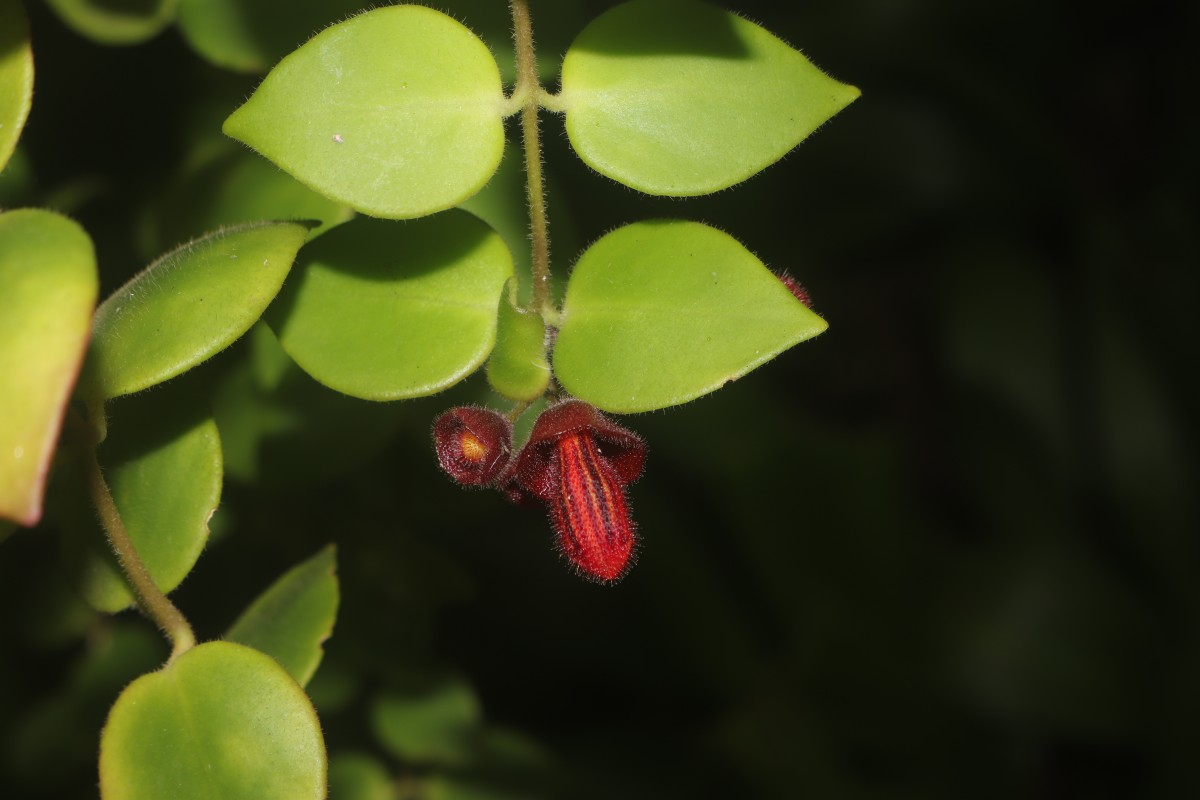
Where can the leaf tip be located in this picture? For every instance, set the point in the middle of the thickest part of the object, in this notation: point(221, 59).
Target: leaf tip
point(26, 517)
point(847, 93)
point(234, 125)
point(328, 557)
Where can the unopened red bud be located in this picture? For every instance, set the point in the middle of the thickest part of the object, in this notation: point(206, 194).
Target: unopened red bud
point(589, 511)
point(577, 462)
point(794, 287)
point(473, 444)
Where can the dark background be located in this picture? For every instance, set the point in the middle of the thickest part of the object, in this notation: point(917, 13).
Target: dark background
point(947, 549)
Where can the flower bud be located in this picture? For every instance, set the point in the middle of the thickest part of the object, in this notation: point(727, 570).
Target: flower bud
point(578, 462)
point(473, 444)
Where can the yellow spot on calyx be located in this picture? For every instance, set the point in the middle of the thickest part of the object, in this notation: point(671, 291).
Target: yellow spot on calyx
point(473, 449)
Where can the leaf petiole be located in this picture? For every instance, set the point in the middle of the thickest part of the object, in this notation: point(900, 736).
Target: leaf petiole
point(151, 600)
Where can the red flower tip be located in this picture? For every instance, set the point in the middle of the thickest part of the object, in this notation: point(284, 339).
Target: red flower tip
point(473, 444)
point(577, 461)
point(794, 287)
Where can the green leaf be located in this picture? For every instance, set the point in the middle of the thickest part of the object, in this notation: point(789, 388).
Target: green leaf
point(16, 76)
point(658, 313)
point(187, 306)
point(294, 616)
point(251, 36)
point(428, 721)
point(396, 112)
point(359, 777)
point(382, 310)
point(518, 368)
point(679, 98)
point(221, 720)
point(116, 22)
point(48, 289)
point(162, 461)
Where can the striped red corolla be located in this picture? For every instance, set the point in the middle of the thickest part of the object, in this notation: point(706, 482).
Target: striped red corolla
point(578, 462)
point(589, 510)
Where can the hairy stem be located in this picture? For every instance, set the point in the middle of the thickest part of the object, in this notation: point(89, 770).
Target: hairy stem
point(529, 90)
point(153, 603)
point(517, 411)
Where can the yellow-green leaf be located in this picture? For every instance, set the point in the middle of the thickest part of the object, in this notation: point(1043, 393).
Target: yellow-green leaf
point(16, 76)
point(294, 616)
point(385, 310)
point(162, 462)
point(188, 306)
point(675, 97)
point(48, 289)
point(220, 721)
point(397, 112)
point(658, 313)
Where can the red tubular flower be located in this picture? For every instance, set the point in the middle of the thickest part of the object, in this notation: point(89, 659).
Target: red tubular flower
point(578, 462)
point(473, 444)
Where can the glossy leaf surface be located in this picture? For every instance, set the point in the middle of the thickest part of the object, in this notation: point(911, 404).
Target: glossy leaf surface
point(658, 313)
point(48, 289)
point(16, 76)
point(384, 310)
point(188, 306)
point(431, 721)
point(518, 368)
point(294, 616)
point(222, 720)
point(396, 112)
point(162, 461)
point(674, 97)
point(116, 22)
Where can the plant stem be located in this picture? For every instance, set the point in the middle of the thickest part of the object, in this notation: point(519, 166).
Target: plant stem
point(153, 603)
point(518, 410)
point(529, 90)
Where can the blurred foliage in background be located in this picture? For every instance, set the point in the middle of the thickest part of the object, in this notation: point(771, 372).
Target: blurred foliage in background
point(981, 580)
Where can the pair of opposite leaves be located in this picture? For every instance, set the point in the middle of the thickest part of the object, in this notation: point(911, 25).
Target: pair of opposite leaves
point(399, 113)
